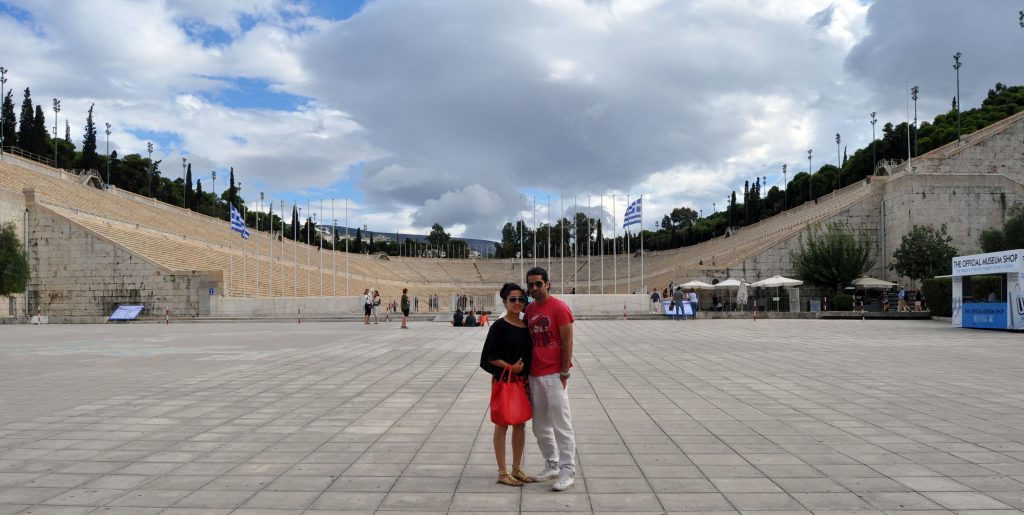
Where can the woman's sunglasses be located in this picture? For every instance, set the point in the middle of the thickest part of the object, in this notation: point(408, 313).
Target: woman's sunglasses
point(516, 299)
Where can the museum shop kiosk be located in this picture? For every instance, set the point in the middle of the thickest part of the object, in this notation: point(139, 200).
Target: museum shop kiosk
point(995, 302)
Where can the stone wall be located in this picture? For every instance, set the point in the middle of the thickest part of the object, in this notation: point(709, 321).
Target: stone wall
point(999, 153)
point(967, 204)
point(78, 276)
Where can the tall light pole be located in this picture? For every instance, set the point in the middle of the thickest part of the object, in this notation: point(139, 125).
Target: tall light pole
point(183, 187)
point(108, 155)
point(956, 66)
point(839, 161)
point(810, 177)
point(913, 94)
point(56, 110)
point(3, 80)
point(764, 198)
point(785, 184)
point(149, 182)
point(874, 159)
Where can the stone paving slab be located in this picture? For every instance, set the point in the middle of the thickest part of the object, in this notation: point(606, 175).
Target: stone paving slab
point(706, 416)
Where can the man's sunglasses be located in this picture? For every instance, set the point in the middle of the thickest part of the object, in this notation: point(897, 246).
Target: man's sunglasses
point(535, 284)
point(516, 299)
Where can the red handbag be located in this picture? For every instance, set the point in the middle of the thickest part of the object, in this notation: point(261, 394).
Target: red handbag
point(509, 404)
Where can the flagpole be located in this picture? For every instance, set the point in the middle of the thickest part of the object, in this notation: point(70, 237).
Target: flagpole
point(590, 261)
point(561, 241)
point(535, 230)
point(642, 243)
point(575, 243)
point(258, 211)
point(270, 244)
point(347, 278)
point(245, 244)
point(320, 247)
point(522, 235)
point(625, 234)
point(309, 218)
point(600, 249)
point(295, 252)
point(283, 293)
point(549, 233)
point(231, 268)
point(334, 250)
point(615, 252)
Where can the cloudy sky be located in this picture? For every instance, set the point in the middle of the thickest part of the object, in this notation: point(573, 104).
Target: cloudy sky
point(454, 111)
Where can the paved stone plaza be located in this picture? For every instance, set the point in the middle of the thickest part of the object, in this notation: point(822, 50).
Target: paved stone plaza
point(717, 416)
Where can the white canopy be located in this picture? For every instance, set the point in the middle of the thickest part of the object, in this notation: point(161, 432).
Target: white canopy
point(777, 281)
point(729, 283)
point(696, 284)
point(871, 283)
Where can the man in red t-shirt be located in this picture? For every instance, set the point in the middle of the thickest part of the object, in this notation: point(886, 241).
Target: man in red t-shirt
point(550, 323)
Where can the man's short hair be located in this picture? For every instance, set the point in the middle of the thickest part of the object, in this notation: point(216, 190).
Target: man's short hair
point(538, 271)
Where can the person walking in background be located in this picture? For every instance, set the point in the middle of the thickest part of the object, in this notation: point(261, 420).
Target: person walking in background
point(692, 298)
point(508, 344)
point(550, 323)
point(405, 308)
point(902, 305)
point(655, 301)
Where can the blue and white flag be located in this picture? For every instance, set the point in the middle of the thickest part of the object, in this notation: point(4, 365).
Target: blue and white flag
point(633, 213)
point(237, 224)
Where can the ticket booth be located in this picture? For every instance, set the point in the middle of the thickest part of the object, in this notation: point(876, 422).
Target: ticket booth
point(988, 290)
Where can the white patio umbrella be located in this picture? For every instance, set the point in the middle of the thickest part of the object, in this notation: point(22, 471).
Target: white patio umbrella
point(731, 283)
point(870, 283)
point(697, 285)
point(777, 281)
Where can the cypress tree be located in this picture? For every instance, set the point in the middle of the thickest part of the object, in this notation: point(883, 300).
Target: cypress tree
point(90, 159)
point(41, 140)
point(26, 124)
point(189, 194)
point(10, 122)
point(295, 222)
point(231, 187)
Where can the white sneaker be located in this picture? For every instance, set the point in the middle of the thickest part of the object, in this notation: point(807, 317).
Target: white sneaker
point(566, 478)
point(550, 472)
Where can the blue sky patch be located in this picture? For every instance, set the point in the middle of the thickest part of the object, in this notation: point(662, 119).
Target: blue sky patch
point(252, 93)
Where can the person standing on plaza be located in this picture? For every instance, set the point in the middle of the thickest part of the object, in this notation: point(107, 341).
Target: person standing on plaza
point(367, 306)
point(902, 305)
point(405, 308)
point(692, 297)
point(655, 301)
point(677, 300)
point(508, 344)
point(375, 306)
point(550, 323)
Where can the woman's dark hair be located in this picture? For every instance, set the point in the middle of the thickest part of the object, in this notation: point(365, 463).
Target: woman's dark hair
point(509, 288)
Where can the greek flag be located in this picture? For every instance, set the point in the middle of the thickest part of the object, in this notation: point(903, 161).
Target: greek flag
point(633, 212)
point(237, 224)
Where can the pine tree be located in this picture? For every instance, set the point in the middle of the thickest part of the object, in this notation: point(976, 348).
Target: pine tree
point(10, 122)
point(26, 124)
point(231, 187)
point(189, 194)
point(42, 133)
point(90, 160)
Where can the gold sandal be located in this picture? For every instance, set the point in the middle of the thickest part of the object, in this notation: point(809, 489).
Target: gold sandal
point(506, 479)
point(521, 475)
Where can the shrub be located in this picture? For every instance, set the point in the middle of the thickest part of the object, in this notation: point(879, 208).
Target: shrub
point(938, 294)
point(843, 302)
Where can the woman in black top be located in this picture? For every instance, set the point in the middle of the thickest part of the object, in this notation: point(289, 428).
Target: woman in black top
point(508, 344)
